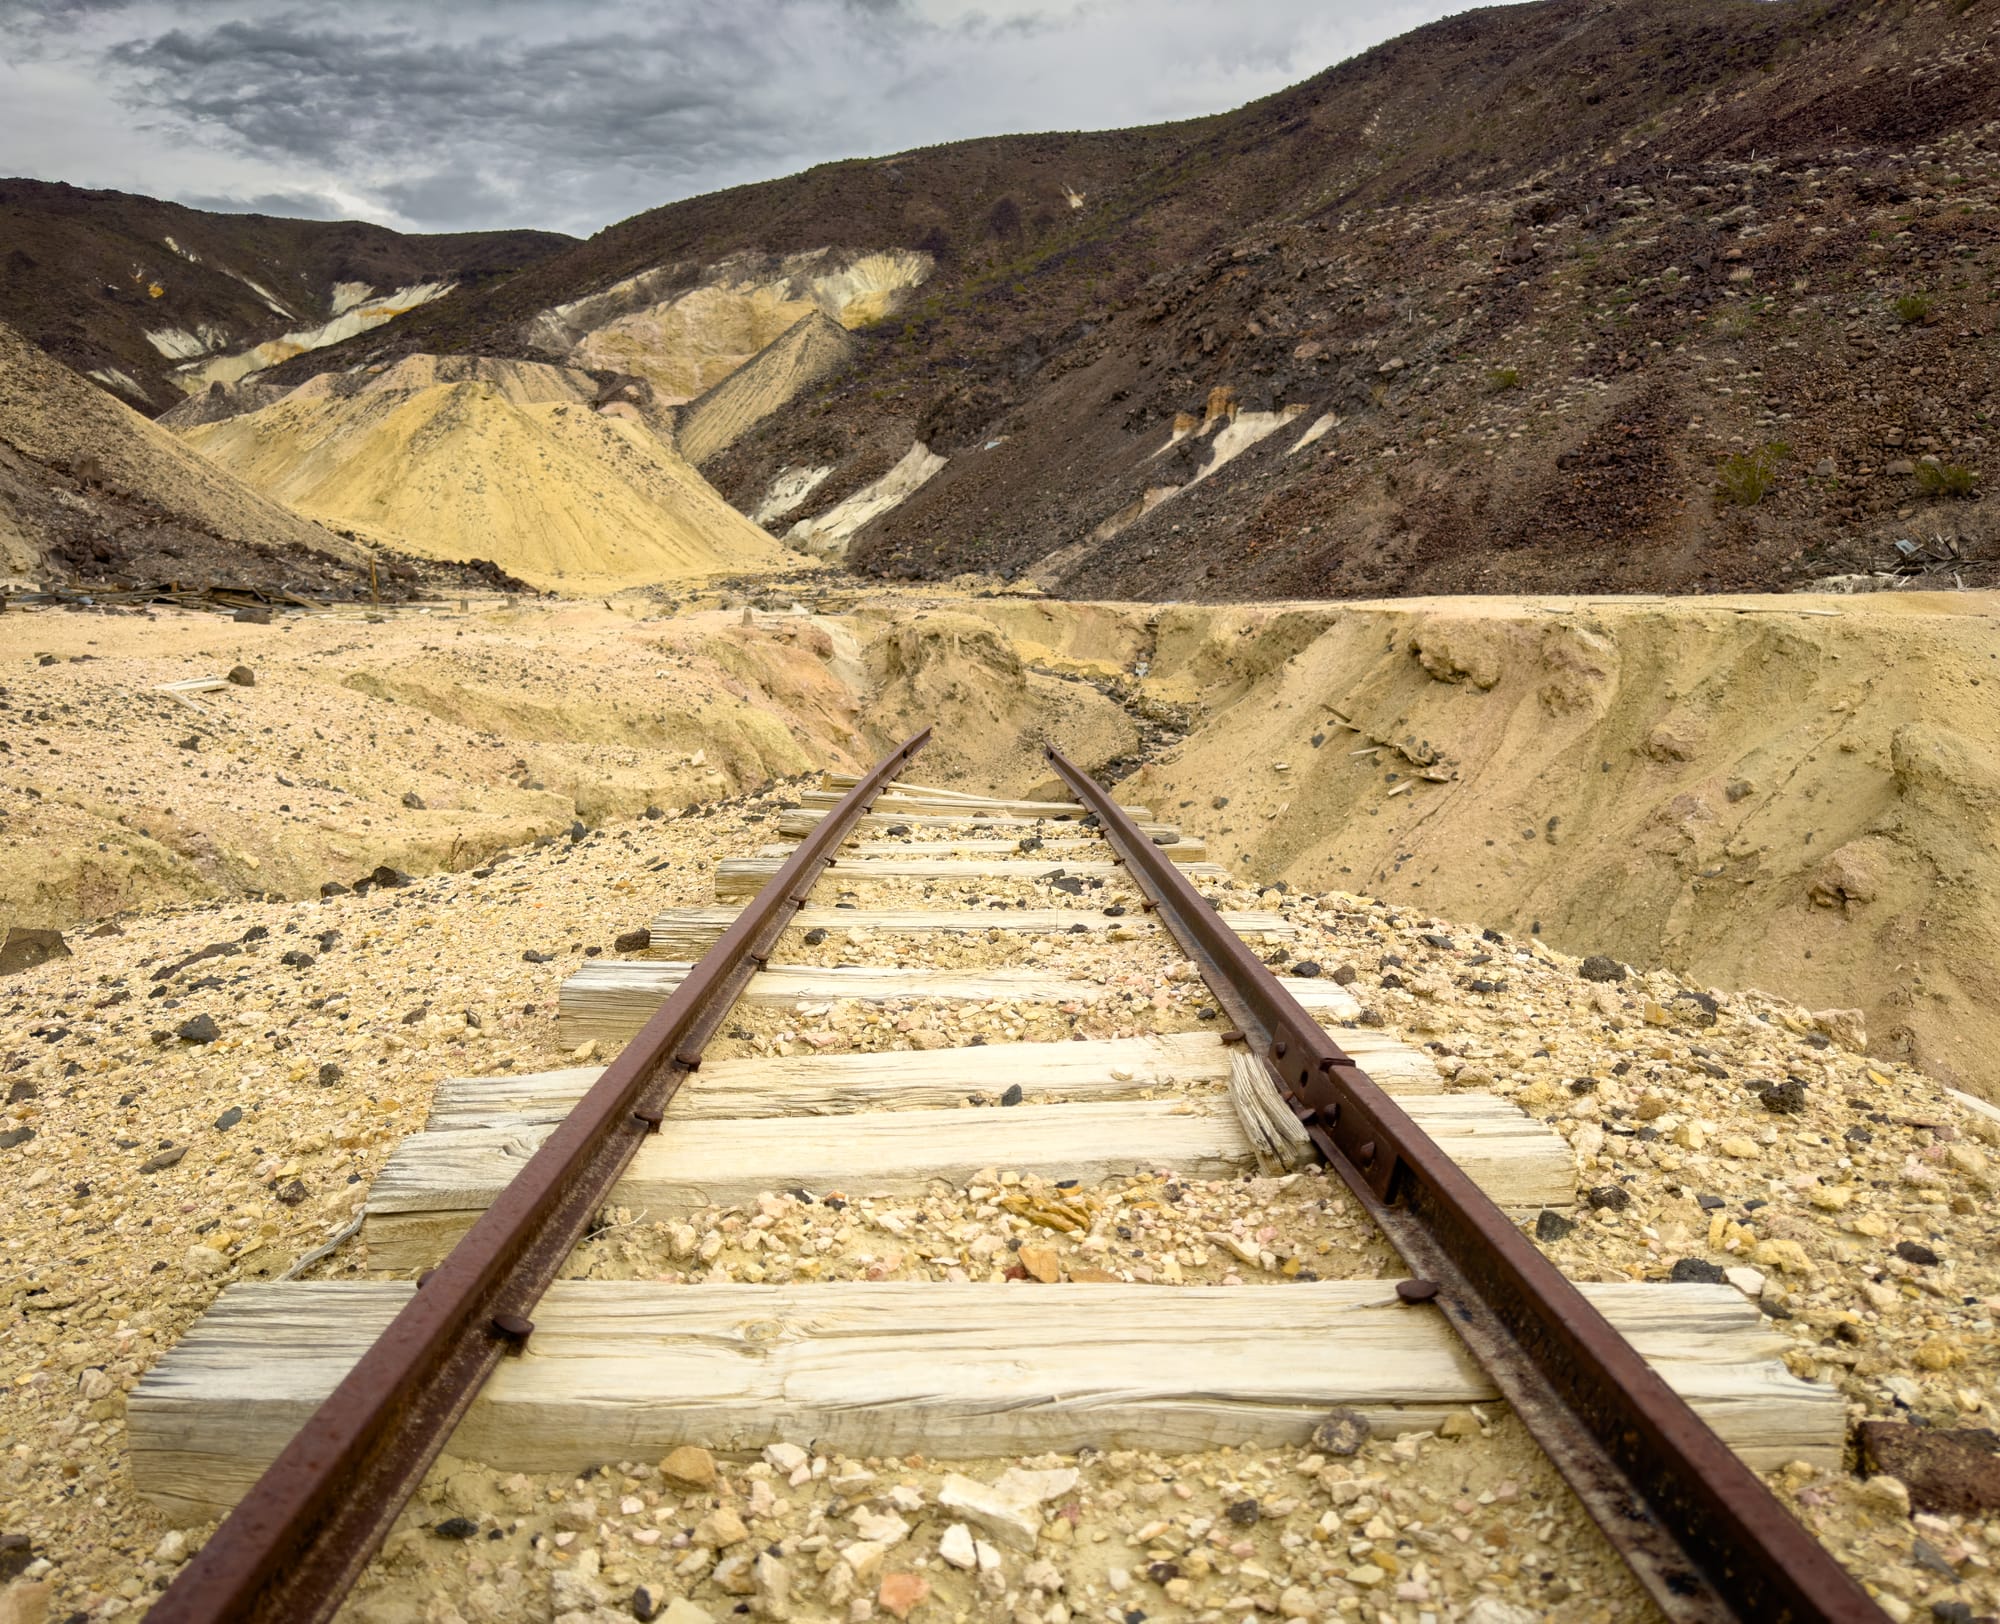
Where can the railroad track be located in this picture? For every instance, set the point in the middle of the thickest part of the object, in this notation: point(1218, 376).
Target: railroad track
point(1654, 1402)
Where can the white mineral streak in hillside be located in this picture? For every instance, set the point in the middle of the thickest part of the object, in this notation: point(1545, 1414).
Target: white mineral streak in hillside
point(788, 490)
point(178, 344)
point(827, 536)
point(116, 378)
point(358, 315)
point(1319, 427)
point(260, 290)
point(346, 295)
point(1235, 431)
point(1241, 432)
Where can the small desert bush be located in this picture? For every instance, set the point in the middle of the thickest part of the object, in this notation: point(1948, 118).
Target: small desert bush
point(1912, 308)
point(1504, 378)
point(1952, 480)
point(1748, 477)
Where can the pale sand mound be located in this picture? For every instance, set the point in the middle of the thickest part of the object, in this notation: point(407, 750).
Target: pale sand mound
point(492, 459)
point(807, 352)
point(77, 465)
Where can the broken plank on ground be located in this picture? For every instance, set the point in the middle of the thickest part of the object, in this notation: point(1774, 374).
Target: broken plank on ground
point(622, 1370)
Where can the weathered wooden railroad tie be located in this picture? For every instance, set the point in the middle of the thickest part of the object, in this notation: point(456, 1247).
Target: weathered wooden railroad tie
point(627, 1370)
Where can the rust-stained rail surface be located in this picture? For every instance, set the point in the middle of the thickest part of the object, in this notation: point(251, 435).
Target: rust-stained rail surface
point(1698, 1528)
point(293, 1547)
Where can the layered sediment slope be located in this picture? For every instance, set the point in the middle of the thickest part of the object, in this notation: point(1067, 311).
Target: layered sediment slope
point(809, 350)
point(507, 460)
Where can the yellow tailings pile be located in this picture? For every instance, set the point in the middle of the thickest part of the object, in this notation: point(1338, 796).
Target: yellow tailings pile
point(471, 458)
point(685, 330)
point(809, 350)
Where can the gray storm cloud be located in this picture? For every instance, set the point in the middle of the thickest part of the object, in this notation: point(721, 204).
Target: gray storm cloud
point(570, 114)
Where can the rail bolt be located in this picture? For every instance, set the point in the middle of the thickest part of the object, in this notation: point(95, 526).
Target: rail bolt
point(512, 1328)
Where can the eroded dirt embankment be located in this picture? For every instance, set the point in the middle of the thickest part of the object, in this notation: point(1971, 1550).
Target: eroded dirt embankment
point(1752, 791)
point(435, 740)
point(1785, 794)
point(1793, 794)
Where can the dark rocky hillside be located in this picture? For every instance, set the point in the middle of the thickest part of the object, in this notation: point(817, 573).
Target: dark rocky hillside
point(1602, 297)
point(87, 274)
point(1579, 295)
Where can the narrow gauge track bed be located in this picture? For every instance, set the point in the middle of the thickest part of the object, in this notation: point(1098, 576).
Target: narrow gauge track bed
point(1067, 1136)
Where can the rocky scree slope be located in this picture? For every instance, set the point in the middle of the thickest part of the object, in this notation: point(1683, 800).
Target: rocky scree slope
point(1559, 296)
point(87, 486)
point(95, 498)
point(1668, 298)
point(1531, 278)
point(147, 296)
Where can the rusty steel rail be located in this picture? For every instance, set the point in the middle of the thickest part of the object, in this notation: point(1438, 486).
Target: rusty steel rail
point(1697, 1527)
point(296, 1543)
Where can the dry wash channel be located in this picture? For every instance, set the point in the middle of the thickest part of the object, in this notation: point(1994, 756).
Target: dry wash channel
point(1275, 1420)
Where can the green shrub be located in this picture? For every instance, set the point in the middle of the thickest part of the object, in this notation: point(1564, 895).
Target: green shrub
point(1912, 308)
point(1951, 480)
point(1505, 377)
point(1748, 477)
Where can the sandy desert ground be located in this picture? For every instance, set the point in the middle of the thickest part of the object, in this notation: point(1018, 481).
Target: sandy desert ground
point(1800, 794)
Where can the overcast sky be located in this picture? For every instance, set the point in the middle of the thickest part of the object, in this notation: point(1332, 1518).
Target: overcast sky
point(571, 114)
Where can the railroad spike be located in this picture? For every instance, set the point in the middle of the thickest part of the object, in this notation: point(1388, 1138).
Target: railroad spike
point(1416, 1291)
point(514, 1328)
